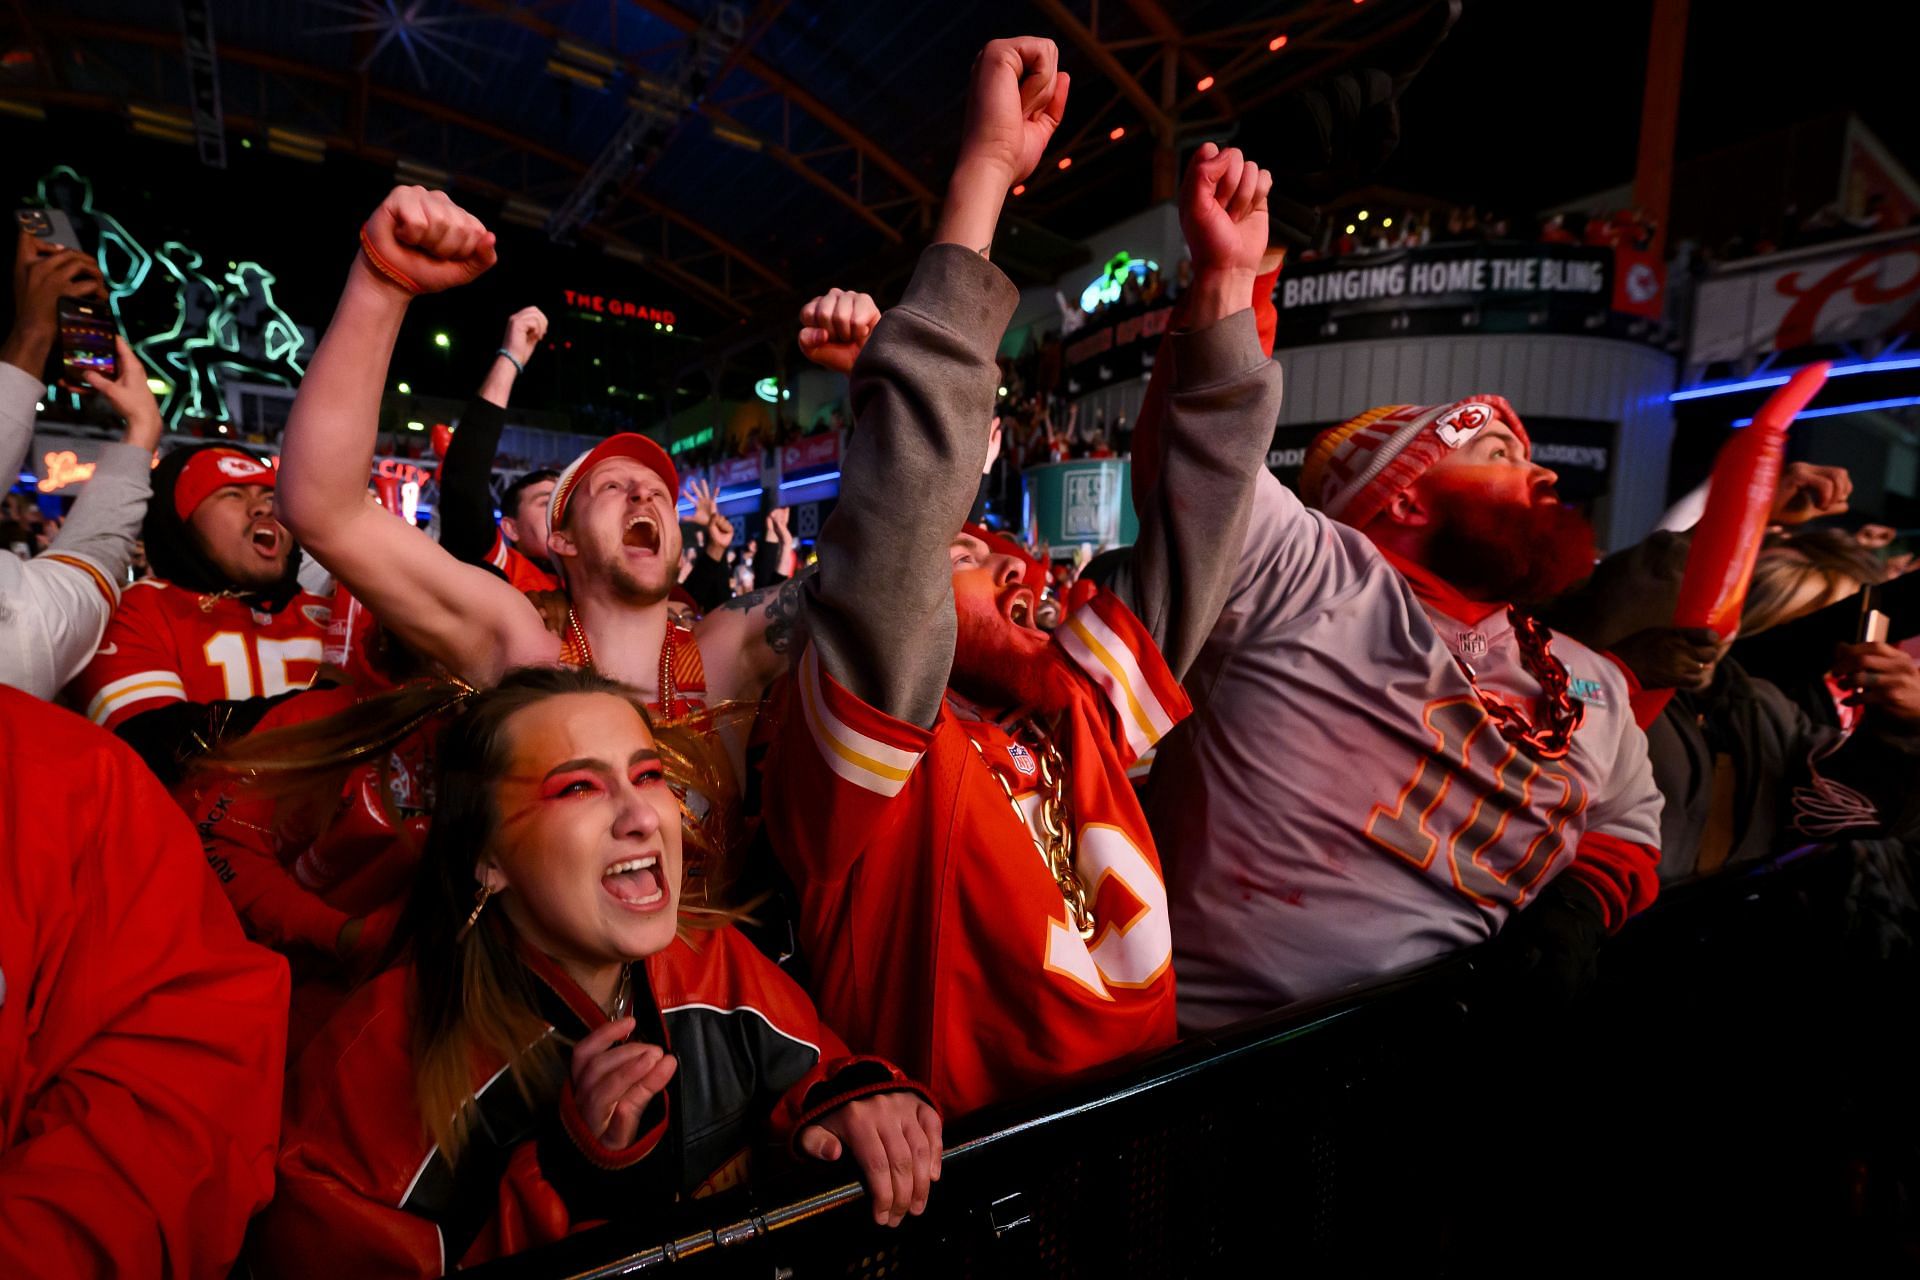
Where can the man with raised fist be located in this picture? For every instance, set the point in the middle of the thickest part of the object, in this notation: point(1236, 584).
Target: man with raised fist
point(613, 531)
point(947, 783)
point(517, 545)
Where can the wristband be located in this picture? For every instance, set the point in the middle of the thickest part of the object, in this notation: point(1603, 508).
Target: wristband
point(508, 356)
point(385, 268)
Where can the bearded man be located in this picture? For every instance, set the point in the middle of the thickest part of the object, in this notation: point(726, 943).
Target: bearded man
point(1388, 761)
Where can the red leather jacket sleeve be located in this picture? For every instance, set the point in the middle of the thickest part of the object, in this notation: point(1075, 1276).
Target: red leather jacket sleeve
point(138, 1116)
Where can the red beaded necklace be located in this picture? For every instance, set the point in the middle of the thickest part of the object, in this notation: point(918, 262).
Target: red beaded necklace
point(669, 692)
point(1564, 711)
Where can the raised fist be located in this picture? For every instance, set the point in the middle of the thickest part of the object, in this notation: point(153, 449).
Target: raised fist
point(1014, 104)
point(422, 242)
point(834, 326)
point(525, 328)
point(1223, 211)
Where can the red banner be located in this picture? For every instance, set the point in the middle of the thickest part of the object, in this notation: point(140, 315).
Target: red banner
point(736, 471)
point(810, 454)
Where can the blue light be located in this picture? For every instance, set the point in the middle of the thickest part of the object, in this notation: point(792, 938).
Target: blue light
point(1780, 380)
point(819, 479)
point(1899, 402)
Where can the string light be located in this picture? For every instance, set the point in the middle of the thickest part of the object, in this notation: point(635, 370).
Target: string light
point(1386, 222)
point(1020, 190)
point(1276, 44)
point(1350, 228)
point(1206, 83)
point(1119, 132)
point(1066, 162)
point(1363, 215)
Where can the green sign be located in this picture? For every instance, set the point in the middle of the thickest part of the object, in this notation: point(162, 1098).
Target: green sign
point(1089, 501)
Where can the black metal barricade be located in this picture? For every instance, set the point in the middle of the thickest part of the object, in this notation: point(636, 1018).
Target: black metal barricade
point(1438, 1123)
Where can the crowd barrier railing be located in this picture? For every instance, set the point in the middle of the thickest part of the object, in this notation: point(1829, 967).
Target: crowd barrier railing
point(1362, 1134)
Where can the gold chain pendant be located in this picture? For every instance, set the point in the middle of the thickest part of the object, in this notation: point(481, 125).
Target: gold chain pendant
point(1056, 849)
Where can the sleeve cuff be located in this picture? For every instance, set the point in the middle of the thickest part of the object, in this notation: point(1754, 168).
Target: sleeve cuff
point(962, 291)
point(1220, 352)
point(848, 1080)
point(605, 1157)
point(17, 383)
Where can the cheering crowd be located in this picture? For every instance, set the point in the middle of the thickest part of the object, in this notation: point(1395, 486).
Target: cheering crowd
point(557, 867)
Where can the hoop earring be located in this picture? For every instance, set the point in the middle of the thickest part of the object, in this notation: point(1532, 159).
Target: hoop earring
point(479, 905)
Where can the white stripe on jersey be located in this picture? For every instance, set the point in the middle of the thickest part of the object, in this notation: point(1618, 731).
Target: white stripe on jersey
point(138, 687)
point(1100, 652)
point(864, 761)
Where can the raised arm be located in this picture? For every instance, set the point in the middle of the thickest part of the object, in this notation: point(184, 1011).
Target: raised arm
point(418, 241)
point(467, 527)
point(1208, 416)
point(880, 609)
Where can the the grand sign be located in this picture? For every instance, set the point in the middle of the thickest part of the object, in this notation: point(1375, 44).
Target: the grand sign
point(1457, 288)
point(1867, 288)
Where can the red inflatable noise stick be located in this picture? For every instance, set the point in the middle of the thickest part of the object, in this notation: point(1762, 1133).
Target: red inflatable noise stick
point(1727, 540)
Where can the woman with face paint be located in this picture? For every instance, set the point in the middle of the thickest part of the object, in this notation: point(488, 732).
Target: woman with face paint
point(566, 1042)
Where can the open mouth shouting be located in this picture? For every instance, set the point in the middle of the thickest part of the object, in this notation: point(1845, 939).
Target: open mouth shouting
point(638, 884)
point(267, 538)
point(643, 534)
point(1017, 606)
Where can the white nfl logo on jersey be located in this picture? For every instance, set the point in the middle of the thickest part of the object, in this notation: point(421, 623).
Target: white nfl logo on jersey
point(1022, 758)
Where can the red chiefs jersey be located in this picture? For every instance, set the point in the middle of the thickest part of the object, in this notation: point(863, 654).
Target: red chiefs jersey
point(937, 934)
point(167, 644)
point(519, 569)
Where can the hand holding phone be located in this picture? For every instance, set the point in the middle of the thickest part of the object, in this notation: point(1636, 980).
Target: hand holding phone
point(58, 296)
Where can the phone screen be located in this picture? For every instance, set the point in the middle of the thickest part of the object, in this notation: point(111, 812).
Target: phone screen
point(86, 342)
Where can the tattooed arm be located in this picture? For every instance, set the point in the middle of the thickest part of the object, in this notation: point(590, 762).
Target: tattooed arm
point(747, 642)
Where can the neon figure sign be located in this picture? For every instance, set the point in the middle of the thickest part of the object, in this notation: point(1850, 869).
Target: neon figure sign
point(1106, 287)
point(222, 330)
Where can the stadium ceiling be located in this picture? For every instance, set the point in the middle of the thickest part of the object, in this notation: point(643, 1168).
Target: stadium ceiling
point(746, 152)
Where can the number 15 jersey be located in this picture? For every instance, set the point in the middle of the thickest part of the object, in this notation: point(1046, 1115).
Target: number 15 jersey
point(936, 932)
point(167, 644)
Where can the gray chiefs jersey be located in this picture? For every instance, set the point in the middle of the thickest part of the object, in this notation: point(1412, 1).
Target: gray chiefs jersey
point(1340, 805)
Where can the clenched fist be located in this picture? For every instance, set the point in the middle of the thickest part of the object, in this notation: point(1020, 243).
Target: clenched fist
point(525, 328)
point(1014, 104)
point(834, 326)
point(1223, 211)
point(422, 242)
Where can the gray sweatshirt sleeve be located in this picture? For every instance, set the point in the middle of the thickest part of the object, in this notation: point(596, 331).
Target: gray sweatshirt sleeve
point(880, 609)
point(1217, 418)
point(19, 392)
point(105, 518)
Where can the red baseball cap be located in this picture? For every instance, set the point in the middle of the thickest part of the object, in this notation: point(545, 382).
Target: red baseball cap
point(628, 444)
point(999, 544)
point(212, 469)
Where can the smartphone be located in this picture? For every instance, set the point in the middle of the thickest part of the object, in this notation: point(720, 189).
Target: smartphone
point(1874, 624)
point(51, 225)
point(86, 342)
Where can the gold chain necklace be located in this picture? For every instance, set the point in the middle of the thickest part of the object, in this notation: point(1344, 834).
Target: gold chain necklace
point(669, 692)
point(1056, 824)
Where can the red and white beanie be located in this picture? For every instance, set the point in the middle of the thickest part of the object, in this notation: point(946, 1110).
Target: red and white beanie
point(1354, 469)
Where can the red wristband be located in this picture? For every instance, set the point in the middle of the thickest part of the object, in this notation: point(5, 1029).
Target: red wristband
point(384, 267)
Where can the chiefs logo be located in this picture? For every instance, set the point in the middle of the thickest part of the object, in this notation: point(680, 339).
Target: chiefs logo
point(1643, 283)
point(1457, 426)
point(238, 467)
